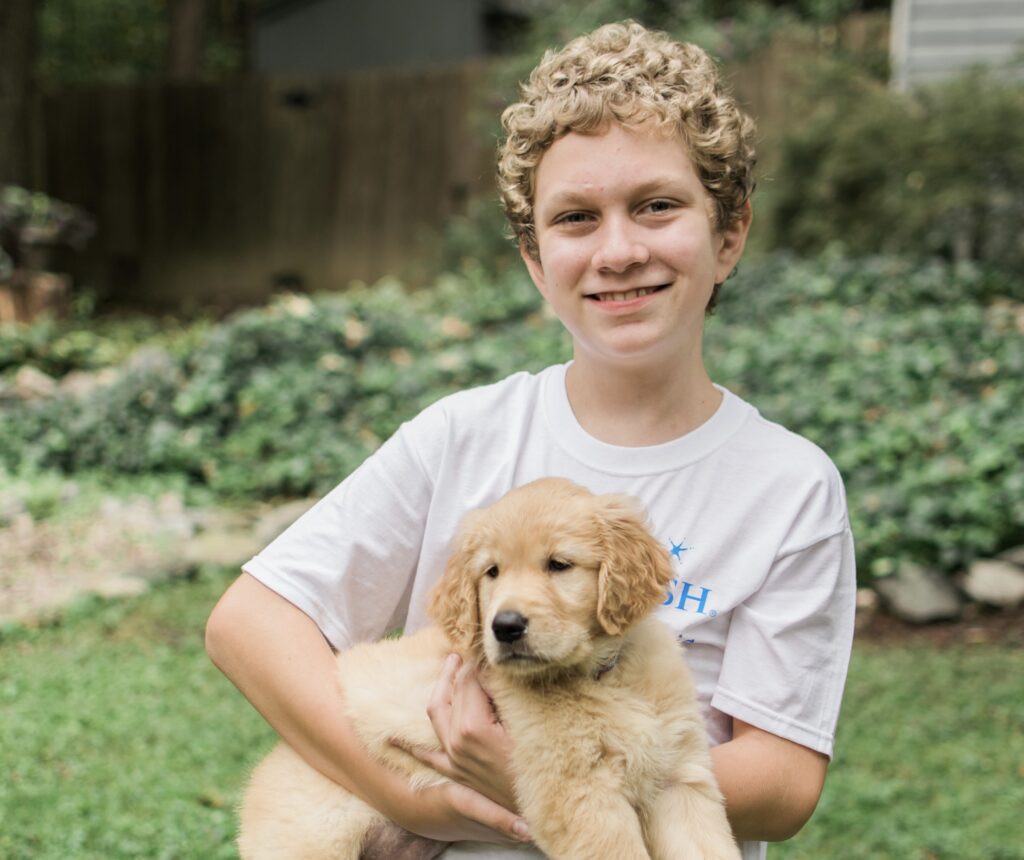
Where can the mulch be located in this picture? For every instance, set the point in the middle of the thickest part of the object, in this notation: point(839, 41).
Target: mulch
point(980, 625)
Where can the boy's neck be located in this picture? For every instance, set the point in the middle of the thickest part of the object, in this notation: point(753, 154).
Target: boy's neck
point(635, 407)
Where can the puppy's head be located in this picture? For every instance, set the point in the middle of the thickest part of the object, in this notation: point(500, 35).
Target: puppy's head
point(542, 580)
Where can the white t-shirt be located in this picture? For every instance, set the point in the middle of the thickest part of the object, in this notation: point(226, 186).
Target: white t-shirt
point(754, 518)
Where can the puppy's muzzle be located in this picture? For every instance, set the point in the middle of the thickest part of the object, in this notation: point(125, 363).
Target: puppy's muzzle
point(509, 626)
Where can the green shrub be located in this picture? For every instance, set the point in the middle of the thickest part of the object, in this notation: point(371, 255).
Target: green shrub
point(910, 375)
point(287, 399)
point(31, 220)
point(911, 386)
point(935, 172)
point(60, 347)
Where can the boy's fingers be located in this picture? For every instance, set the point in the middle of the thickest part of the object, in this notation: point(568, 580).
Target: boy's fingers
point(482, 809)
point(437, 759)
point(439, 707)
point(474, 705)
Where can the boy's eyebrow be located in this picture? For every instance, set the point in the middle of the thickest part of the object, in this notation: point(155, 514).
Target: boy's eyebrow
point(657, 184)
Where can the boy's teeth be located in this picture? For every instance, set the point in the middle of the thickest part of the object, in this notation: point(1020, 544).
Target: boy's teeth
point(626, 296)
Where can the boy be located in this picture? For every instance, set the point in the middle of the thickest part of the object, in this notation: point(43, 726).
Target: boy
point(626, 175)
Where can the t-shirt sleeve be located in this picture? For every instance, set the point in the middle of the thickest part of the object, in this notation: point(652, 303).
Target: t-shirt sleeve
point(788, 646)
point(349, 562)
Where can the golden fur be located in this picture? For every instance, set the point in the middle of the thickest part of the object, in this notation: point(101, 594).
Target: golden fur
point(610, 756)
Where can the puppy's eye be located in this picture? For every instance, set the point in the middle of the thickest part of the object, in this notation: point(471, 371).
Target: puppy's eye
point(556, 564)
point(492, 571)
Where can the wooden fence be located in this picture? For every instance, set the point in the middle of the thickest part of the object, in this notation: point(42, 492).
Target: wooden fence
point(216, 195)
point(219, 194)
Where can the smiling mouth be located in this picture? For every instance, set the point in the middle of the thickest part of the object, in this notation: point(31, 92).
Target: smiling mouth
point(627, 295)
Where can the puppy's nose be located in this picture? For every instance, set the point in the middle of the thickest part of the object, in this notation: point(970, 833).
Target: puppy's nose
point(509, 626)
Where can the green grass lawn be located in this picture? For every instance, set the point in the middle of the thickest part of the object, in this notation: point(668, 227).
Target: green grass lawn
point(118, 739)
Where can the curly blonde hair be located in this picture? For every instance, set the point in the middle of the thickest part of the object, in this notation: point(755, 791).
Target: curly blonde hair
point(626, 73)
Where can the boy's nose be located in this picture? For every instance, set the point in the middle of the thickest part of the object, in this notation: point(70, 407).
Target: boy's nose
point(620, 248)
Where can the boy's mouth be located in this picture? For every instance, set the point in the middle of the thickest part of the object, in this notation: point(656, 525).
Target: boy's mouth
point(626, 295)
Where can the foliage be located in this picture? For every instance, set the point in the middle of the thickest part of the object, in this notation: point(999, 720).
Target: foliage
point(85, 343)
point(115, 41)
point(125, 41)
point(32, 219)
point(728, 29)
point(285, 400)
point(910, 376)
point(121, 740)
point(55, 497)
point(936, 171)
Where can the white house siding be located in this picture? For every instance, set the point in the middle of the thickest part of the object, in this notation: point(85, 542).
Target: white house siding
point(934, 39)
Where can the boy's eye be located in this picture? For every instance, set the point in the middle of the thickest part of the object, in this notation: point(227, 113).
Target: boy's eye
point(657, 206)
point(555, 565)
point(572, 218)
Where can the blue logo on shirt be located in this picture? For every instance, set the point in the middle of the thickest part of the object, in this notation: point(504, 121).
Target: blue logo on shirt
point(687, 596)
point(677, 550)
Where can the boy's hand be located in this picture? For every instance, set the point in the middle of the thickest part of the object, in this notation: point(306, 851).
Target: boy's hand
point(475, 748)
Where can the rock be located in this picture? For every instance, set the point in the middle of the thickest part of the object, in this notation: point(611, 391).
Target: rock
point(79, 384)
point(11, 506)
point(223, 548)
point(919, 595)
point(223, 519)
point(151, 359)
point(867, 600)
point(1014, 556)
point(30, 383)
point(867, 606)
point(277, 520)
point(120, 586)
point(22, 525)
point(164, 520)
point(998, 583)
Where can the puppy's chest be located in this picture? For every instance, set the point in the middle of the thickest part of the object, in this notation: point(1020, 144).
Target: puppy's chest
point(582, 728)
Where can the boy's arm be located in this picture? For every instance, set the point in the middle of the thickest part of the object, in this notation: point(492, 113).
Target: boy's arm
point(771, 785)
point(276, 655)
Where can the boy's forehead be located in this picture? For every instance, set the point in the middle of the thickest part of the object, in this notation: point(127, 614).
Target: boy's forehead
point(579, 163)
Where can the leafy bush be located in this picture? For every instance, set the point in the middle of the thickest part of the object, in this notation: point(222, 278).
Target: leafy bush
point(912, 387)
point(32, 219)
point(84, 343)
point(934, 172)
point(910, 376)
point(287, 399)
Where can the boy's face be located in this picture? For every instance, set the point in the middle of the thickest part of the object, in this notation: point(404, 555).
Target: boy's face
point(629, 252)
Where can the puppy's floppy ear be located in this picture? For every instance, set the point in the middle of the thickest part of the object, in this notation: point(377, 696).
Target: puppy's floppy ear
point(635, 574)
point(453, 601)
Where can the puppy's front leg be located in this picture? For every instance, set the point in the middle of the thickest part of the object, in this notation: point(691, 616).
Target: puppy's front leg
point(583, 823)
point(688, 821)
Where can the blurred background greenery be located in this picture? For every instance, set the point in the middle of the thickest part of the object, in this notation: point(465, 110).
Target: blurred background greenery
point(879, 312)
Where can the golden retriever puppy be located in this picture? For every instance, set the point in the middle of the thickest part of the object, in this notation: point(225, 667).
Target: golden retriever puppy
point(549, 591)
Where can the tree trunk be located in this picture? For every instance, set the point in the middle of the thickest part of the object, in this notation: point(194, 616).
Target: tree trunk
point(186, 28)
point(244, 18)
point(17, 57)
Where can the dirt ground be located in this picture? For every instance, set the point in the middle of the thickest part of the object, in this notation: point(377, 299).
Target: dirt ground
point(979, 626)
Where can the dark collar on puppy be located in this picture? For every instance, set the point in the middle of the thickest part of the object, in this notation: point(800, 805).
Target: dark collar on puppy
point(607, 666)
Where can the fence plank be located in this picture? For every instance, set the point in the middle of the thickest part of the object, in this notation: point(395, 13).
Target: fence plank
point(218, 194)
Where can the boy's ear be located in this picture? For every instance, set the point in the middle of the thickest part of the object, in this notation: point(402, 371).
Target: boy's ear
point(535, 269)
point(733, 238)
